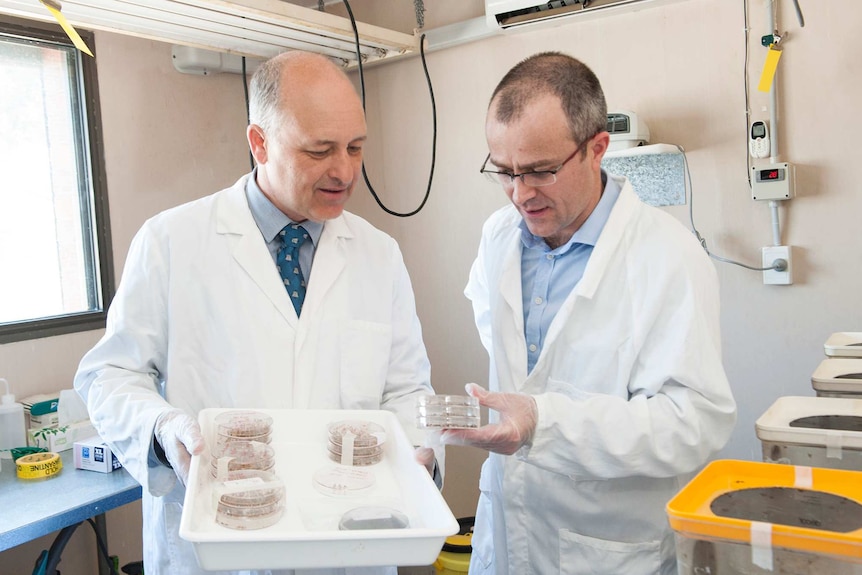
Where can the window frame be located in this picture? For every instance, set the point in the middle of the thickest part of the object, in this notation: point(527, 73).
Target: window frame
point(102, 252)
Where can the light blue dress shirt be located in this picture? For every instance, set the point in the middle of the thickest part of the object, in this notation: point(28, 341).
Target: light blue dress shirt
point(549, 276)
point(270, 221)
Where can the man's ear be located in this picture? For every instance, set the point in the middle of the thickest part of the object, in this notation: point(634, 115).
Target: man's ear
point(256, 143)
point(599, 146)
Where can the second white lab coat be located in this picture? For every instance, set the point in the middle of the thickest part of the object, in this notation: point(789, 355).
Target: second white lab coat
point(201, 320)
point(631, 393)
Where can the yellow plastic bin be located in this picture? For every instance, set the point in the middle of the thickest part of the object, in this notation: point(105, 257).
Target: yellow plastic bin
point(752, 518)
point(454, 559)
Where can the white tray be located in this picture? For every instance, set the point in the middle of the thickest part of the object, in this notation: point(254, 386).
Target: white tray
point(827, 376)
point(844, 344)
point(307, 535)
point(774, 424)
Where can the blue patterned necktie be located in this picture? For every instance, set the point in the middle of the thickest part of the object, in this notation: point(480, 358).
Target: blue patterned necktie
point(287, 261)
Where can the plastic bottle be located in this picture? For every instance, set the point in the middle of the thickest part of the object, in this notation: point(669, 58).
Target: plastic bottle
point(12, 430)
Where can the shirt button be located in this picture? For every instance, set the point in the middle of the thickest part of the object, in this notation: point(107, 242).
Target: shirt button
point(533, 347)
point(549, 256)
point(538, 301)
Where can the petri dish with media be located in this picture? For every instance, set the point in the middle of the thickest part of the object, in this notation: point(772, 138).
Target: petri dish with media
point(249, 499)
point(447, 412)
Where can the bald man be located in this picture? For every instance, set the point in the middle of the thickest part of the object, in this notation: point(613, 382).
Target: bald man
point(265, 295)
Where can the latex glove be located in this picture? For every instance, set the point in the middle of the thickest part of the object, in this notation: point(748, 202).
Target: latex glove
point(426, 456)
point(518, 418)
point(179, 434)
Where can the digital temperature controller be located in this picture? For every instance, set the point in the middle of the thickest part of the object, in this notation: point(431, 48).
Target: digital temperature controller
point(773, 182)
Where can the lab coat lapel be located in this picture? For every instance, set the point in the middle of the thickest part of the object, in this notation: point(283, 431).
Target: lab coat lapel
point(512, 307)
point(329, 261)
point(248, 248)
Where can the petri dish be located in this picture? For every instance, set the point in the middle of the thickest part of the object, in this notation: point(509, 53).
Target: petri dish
point(249, 499)
point(238, 455)
point(244, 425)
point(342, 480)
point(362, 518)
point(447, 412)
point(356, 442)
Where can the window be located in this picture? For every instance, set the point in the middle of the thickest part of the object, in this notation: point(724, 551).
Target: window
point(55, 257)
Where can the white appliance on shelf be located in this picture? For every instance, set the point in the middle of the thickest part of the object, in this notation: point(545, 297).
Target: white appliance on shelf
point(508, 14)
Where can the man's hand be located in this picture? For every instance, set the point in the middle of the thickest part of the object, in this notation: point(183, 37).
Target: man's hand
point(517, 423)
point(180, 437)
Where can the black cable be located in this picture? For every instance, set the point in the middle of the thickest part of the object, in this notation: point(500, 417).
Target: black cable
point(56, 552)
point(433, 114)
point(247, 116)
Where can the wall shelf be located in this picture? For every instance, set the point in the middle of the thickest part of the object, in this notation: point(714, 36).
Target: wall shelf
point(253, 28)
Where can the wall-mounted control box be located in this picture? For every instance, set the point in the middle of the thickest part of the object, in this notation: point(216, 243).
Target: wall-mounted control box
point(773, 182)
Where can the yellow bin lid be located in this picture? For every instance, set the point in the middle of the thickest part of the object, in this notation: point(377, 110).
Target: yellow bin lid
point(731, 500)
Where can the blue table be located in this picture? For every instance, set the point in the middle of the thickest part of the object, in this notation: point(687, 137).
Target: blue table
point(33, 508)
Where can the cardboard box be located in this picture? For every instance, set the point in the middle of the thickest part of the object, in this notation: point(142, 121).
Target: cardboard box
point(41, 409)
point(93, 454)
point(57, 439)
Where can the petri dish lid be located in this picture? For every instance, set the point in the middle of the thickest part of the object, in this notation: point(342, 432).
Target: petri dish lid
point(447, 400)
point(243, 424)
point(341, 480)
point(362, 518)
point(365, 433)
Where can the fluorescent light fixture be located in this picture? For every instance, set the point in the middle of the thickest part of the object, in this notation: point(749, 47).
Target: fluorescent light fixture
point(253, 28)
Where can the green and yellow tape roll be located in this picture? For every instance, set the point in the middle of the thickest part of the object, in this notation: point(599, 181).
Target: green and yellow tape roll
point(38, 465)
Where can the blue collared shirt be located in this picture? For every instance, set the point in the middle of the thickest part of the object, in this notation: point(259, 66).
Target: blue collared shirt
point(548, 276)
point(270, 221)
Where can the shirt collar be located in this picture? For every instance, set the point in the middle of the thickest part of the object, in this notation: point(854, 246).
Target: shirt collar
point(269, 219)
point(588, 233)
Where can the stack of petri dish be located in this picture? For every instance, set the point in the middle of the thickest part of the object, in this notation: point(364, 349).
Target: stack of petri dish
point(237, 455)
point(356, 442)
point(447, 412)
point(250, 499)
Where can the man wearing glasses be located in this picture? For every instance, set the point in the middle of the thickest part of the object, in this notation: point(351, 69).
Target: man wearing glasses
point(601, 318)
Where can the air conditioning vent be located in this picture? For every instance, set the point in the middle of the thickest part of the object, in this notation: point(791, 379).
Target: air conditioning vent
point(618, 124)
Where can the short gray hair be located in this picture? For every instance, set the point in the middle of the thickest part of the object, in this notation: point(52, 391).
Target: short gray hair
point(264, 90)
point(569, 79)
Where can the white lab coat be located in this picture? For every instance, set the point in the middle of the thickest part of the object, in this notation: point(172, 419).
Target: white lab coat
point(201, 314)
point(631, 393)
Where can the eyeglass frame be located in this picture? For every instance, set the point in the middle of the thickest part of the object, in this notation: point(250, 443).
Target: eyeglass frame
point(511, 182)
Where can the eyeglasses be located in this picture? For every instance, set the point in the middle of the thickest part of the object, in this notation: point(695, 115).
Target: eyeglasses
point(532, 179)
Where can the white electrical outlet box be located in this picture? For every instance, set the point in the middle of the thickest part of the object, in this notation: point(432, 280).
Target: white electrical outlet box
point(771, 255)
point(773, 182)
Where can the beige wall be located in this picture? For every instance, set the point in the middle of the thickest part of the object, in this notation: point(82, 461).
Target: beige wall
point(173, 137)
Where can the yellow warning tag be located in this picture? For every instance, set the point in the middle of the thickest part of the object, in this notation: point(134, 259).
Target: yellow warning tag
point(772, 56)
point(54, 8)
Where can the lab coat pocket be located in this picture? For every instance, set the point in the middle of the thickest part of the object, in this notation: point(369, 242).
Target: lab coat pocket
point(582, 555)
point(365, 350)
point(483, 527)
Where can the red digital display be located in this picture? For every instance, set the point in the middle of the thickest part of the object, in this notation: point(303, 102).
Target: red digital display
point(766, 175)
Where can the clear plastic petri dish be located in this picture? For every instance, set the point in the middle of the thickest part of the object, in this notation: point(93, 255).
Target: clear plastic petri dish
point(342, 480)
point(249, 499)
point(363, 433)
point(244, 425)
point(447, 412)
point(358, 460)
point(363, 518)
point(238, 455)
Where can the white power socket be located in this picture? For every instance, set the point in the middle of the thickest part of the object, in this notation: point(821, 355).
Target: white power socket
point(771, 255)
